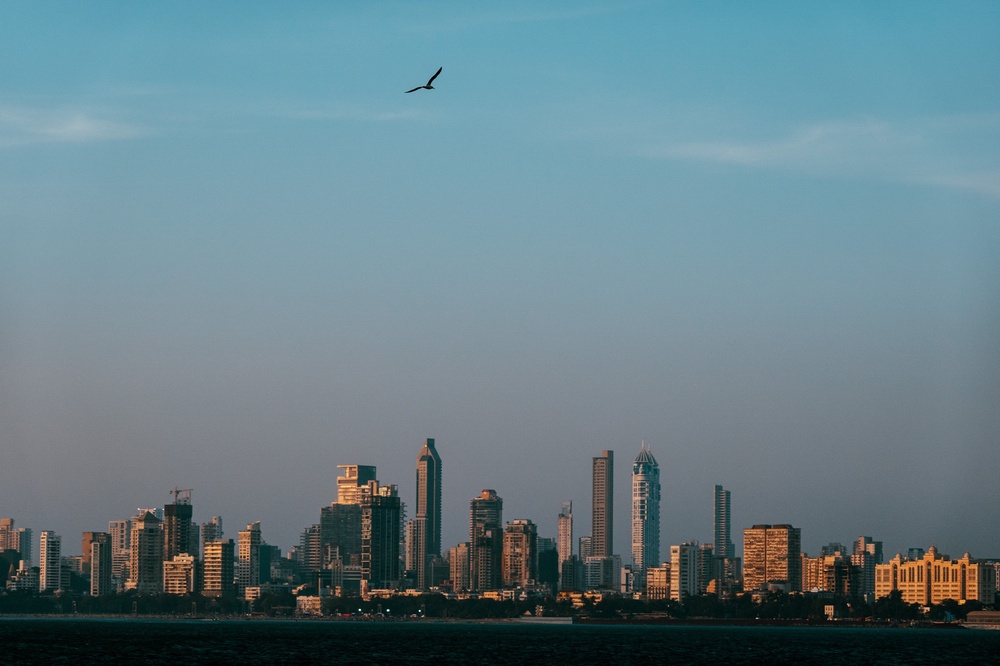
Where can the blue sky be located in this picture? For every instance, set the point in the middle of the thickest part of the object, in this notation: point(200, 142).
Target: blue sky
point(763, 237)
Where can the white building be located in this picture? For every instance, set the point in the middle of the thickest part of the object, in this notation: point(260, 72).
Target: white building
point(50, 562)
point(684, 570)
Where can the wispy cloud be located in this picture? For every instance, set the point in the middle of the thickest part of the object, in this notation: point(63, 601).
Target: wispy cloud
point(24, 125)
point(956, 152)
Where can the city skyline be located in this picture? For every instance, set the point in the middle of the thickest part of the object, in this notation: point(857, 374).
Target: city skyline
point(762, 237)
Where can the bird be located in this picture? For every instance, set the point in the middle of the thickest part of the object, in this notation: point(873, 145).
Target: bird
point(428, 86)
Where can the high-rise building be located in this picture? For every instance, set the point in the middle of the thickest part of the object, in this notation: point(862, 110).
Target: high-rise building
point(645, 512)
point(121, 551)
point(684, 570)
point(248, 567)
point(427, 523)
point(866, 556)
point(97, 551)
point(218, 568)
point(564, 544)
point(145, 570)
point(381, 517)
point(772, 555)
point(50, 562)
point(180, 574)
point(180, 534)
point(458, 562)
point(310, 550)
point(354, 482)
point(486, 541)
point(340, 534)
point(520, 553)
point(18, 539)
point(212, 530)
point(602, 521)
point(724, 546)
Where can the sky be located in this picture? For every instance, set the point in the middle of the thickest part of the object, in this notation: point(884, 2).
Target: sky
point(762, 238)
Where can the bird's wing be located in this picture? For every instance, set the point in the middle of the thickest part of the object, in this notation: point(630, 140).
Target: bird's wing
point(431, 80)
point(417, 88)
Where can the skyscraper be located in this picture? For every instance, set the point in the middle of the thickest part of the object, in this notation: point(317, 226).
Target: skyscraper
point(485, 541)
point(50, 561)
point(121, 551)
point(772, 554)
point(145, 571)
point(179, 532)
point(98, 554)
point(683, 571)
point(427, 523)
point(381, 516)
point(218, 569)
point(520, 553)
point(645, 512)
point(248, 565)
point(564, 545)
point(723, 539)
point(602, 525)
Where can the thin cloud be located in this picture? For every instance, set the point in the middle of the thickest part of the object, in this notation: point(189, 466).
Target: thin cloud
point(20, 125)
point(948, 152)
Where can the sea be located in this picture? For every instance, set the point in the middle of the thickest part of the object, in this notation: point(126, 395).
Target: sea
point(150, 641)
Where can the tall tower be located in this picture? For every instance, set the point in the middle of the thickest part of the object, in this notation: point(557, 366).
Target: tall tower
point(248, 566)
point(645, 512)
point(602, 525)
point(179, 532)
point(98, 552)
point(381, 517)
point(427, 523)
point(145, 570)
point(520, 553)
point(50, 561)
point(565, 535)
point(724, 547)
point(485, 541)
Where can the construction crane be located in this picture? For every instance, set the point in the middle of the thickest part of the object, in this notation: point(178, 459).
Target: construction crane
point(181, 495)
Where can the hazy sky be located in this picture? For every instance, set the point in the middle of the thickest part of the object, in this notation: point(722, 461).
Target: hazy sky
point(762, 237)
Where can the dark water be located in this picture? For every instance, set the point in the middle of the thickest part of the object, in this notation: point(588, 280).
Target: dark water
point(73, 641)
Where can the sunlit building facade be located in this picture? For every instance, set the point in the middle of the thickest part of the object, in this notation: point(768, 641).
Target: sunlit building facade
point(772, 555)
point(936, 577)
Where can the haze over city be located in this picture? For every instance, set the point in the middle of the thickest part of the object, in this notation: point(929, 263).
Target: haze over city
point(763, 239)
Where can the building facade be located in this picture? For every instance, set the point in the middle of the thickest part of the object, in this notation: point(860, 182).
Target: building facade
point(145, 570)
point(49, 562)
point(645, 512)
point(100, 562)
point(248, 565)
point(427, 522)
point(684, 570)
point(936, 577)
point(180, 534)
point(602, 516)
point(218, 568)
point(381, 516)
point(520, 553)
point(772, 555)
point(486, 541)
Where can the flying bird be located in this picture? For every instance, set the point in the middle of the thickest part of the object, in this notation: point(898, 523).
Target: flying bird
point(428, 86)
